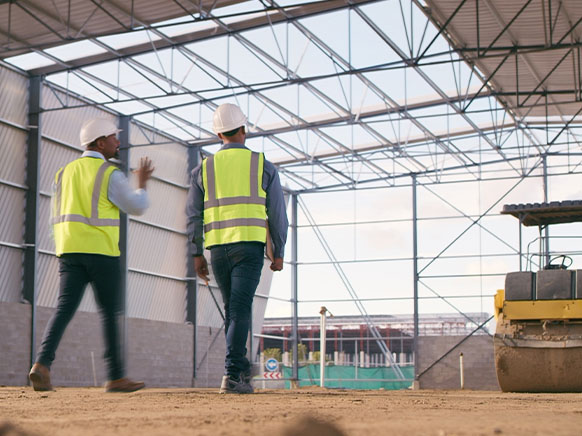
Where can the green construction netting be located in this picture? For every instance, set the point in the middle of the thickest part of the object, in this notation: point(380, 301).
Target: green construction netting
point(350, 377)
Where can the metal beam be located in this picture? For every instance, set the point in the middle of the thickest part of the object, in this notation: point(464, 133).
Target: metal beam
point(192, 283)
point(294, 13)
point(415, 277)
point(124, 125)
point(29, 290)
point(507, 26)
point(294, 290)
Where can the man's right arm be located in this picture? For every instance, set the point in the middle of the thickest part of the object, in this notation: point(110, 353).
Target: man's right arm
point(123, 196)
point(195, 222)
point(195, 212)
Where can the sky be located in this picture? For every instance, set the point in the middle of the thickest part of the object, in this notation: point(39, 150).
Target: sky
point(378, 256)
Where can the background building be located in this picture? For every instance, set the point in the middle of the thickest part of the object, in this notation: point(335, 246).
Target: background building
point(351, 334)
point(349, 342)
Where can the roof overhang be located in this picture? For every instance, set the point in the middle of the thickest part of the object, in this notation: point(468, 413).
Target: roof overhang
point(527, 50)
point(37, 24)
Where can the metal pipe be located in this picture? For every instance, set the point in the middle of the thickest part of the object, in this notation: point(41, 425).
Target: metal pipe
point(322, 337)
point(93, 368)
point(356, 363)
point(520, 245)
point(547, 228)
point(462, 371)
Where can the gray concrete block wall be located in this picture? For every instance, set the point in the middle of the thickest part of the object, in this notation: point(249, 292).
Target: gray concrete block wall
point(14, 343)
point(158, 353)
point(210, 353)
point(73, 364)
point(478, 362)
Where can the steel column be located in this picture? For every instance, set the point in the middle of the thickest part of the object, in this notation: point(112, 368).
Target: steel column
point(415, 272)
point(546, 245)
point(124, 125)
point(192, 280)
point(294, 308)
point(520, 246)
point(29, 290)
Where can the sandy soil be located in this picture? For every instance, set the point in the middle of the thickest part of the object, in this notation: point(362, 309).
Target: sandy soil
point(91, 412)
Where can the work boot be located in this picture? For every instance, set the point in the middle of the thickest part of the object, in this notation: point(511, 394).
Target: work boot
point(40, 377)
point(235, 386)
point(123, 385)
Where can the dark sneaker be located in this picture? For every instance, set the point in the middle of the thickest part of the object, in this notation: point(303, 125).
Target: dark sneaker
point(40, 377)
point(232, 386)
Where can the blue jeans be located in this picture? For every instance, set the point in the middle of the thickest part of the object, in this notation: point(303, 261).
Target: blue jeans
point(237, 269)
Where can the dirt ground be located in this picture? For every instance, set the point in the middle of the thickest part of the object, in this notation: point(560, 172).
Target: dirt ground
point(305, 411)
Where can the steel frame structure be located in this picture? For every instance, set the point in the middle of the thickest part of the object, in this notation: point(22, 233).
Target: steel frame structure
point(493, 102)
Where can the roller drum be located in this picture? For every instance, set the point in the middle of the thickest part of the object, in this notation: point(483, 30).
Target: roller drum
point(538, 356)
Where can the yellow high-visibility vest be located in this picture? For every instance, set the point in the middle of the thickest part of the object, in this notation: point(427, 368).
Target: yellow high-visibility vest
point(234, 199)
point(84, 220)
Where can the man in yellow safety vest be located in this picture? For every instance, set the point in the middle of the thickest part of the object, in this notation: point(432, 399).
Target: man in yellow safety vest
point(88, 194)
point(231, 195)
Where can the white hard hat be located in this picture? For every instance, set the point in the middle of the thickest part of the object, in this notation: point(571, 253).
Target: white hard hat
point(227, 117)
point(96, 128)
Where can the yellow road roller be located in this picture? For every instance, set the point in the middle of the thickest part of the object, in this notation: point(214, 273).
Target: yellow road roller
point(538, 338)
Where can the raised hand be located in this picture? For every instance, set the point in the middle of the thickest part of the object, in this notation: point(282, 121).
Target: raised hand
point(144, 172)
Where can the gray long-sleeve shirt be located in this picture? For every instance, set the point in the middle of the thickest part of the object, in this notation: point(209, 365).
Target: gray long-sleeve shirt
point(120, 193)
point(275, 205)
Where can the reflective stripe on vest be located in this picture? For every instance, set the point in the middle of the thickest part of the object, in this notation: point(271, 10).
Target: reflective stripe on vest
point(234, 200)
point(84, 189)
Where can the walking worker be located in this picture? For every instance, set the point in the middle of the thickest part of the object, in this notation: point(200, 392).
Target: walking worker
point(231, 195)
point(89, 192)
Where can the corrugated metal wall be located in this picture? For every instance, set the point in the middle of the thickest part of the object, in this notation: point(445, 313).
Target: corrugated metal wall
point(13, 122)
point(157, 240)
